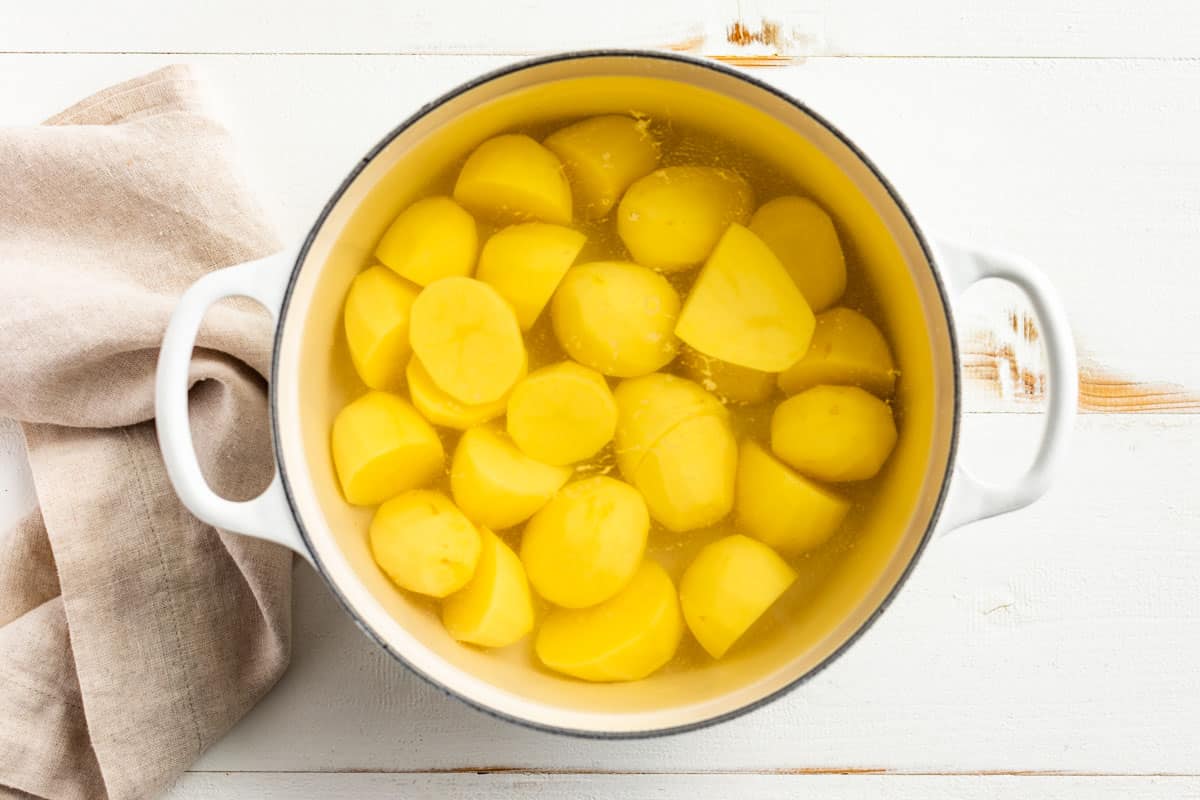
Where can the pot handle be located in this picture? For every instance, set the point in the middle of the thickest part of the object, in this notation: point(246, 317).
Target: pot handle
point(267, 516)
point(970, 498)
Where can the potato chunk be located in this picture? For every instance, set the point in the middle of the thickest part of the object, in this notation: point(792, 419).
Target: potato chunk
point(802, 236)
point(583, 546)
point(495, 609)
point(728, 381)
point(616, 317)
point(424, 544)
point(650, 406)
point(671, 219)
point(376, 322)
point(784, 510)
point(512, 178)
point(745, 309)
point(382, 447)
point(602, 156)
point(524, 263)
point(834, 433)
point(727, 587)
point(625, 638)
point(495, 484)
point(468, 340)
point(562, 413)
point(431, 239)
point(846, 349)
point(687, 477)
point(442, 409)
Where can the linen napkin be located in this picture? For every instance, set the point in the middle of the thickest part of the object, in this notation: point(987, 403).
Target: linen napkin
point(131, 634)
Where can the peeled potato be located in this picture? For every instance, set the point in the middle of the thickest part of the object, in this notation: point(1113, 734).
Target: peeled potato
point(467, 339)
point(562, 413)
point(671, 219)
point(442, 409)
point(616, 317)
point(424, 544)
point(802, 236)
point(431, 239)
point(382, 447)
point(625, 638)
point(495, 484)
point(834, 433)
point(781, 508)
point(376, 321)
point(745, 309)
point(524, 263)
point(727, 587)
point(512, 178)
point(495, 609)
point(846, 349)
point(728, 381)
point(583, 546)
point(688, 475)
point(602, 156)
point(650, 406)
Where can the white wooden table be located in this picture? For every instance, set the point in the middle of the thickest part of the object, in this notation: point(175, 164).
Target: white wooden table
point(1049, 653)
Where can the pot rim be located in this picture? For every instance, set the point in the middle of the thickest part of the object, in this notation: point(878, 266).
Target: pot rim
point(718, 67)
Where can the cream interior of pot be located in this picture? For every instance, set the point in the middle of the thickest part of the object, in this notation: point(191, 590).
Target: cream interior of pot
point(314, 380)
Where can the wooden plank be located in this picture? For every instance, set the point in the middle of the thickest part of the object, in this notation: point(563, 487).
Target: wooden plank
point(285, 786)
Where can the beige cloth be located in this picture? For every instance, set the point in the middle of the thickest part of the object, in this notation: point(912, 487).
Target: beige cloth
point(131, 634)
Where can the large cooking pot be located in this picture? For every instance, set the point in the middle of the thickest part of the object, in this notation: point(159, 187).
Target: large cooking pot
point(924, 488)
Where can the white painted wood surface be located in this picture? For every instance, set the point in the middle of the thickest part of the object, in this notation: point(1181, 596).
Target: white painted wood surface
point(1061, 641)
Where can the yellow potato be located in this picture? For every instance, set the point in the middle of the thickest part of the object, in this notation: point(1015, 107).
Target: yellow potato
point(650, 406)
point(728, 381)
point(745, 309)
point(780, 508)
point(442, 409)
point(424, 544)
point(846, 349)
point(583, 546)
point(495, 609)
point(512, 178)
point(495, 484)
point(802, 235)
point(431, 239)
point(562, 413)
point(834, 433)
point(687, 477)
point(616, 317)
point(382, 447)
point(376, 322)
point(467, 339)
point(625, 638)
point(727, 587)
point(524, 263)
point(602, 156)
point(671, 219)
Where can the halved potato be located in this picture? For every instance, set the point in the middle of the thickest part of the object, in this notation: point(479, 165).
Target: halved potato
point(727, 587)
point(376, 321)
point(442, 409)
point(781, 508)
point(727, 381)
point(846, 349)
point(671, 219)
point(424, 544)
point(687, 476)
point(524, 263)
point(625, 638)
point(512, 178)
point(602, 156)
point(616, 317)
point(468, 340)
point(495, 484)
point(802, 236)
point(431, 239)
point(583, 546)
point(744, 307)
point(495, 609)
point(649, 407)
point(562, 413)
point(834, 433)
point(382, 447)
